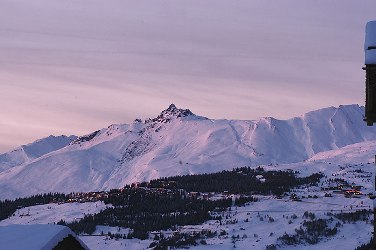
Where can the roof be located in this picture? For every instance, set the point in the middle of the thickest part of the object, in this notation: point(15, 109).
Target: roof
point(370, 43)
point(34, 237)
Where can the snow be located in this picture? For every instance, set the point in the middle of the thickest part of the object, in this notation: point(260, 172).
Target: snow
point(33, 150)
point(280, 210)
point(257, 234)
point(53, 213)
point(172, 145)
point(103, 242)
point(370, 57)
point(337, 163)
point(370, 41)
point(32, 237)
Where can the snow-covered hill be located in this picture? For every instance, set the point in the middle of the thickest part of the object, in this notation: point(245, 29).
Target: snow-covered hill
point(258, 224)
point(179, 142)
point(33, 150)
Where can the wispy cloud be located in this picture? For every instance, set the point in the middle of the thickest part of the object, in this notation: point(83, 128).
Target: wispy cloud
point(72, 67)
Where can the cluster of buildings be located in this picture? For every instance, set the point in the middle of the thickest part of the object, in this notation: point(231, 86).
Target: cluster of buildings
point(347, 190)
point(87, 196)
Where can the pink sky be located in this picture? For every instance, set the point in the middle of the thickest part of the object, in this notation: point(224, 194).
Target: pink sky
point(71, 67)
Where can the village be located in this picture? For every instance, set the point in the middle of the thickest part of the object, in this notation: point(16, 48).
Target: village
point(82, 197)
point(337, 187)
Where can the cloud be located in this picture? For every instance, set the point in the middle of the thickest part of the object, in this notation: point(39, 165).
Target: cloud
point(72, 67)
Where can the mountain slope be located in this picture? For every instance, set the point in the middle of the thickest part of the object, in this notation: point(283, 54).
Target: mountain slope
point(33, 150)
point(179, 142)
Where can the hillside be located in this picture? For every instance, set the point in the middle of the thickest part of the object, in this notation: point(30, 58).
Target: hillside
point(325, 218)
point(179, 142)
point(26, 153)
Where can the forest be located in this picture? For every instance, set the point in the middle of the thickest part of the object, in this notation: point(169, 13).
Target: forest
point(167, 202)
point(238, 181)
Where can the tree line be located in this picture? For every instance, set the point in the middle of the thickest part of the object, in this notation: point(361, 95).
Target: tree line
point(144, 210)
point(243, 180)
point(9, 207)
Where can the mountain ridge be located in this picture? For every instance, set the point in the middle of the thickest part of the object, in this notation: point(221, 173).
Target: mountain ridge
point(179, 142)
point(33, 150)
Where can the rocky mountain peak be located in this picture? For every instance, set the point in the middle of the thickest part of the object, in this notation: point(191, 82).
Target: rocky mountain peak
point(172, 112)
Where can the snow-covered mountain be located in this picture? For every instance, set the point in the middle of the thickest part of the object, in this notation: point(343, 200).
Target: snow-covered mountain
point(26, 153)
point(179, 142)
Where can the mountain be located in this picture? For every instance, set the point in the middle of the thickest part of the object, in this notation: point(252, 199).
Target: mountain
point(180, 142)
point(34, 150)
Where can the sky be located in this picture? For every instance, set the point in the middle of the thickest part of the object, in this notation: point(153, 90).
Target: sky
point(72, 67)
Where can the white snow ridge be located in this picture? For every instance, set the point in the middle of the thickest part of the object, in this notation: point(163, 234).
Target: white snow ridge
point(174, 143)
